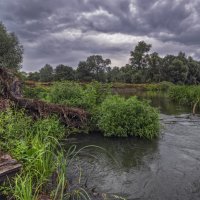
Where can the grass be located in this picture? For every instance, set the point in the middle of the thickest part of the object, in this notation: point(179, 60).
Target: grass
point(45, 164)
point(36, 145)
point(162, 86)
point(186, 95)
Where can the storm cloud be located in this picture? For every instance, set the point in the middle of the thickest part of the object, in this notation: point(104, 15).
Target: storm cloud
point(60, 31)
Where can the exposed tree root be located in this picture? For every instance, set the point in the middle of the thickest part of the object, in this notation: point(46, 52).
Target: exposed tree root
point(10, 87)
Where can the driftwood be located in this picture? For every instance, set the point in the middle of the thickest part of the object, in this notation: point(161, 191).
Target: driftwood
point(11, 88)
point(8, 167)
point(194, 107)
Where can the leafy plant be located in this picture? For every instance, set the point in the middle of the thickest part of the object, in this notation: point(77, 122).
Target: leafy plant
point(76, 95)
point(120, 117)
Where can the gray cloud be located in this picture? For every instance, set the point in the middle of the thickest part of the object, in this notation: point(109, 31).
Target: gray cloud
point(68, 31)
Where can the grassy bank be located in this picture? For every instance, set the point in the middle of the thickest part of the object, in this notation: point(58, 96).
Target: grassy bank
point(162, 86)
point(93, 97)
point(186, 95)
point(36, 145)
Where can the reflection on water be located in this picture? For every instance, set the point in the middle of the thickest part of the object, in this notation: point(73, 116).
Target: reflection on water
point(164, 169)
point(156, 99)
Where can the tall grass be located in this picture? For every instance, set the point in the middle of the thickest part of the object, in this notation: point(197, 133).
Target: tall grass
point(36, 145)
point(186, 95)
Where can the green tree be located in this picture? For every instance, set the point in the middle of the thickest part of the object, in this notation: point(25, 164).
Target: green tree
point(98, 65)
point(139, 57)
point(84, 72)
point(194, 71)
point(93, 68)
point(34, 76)
point(63, 72)
point(46, 73)
point(177, 71)
point(127, 74)
point(154, 70)
point(10, 49)
point(114, 74)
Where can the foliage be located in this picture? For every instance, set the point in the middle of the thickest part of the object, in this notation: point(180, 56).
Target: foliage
point(76, 95)
point(37, 92)
point(93, 68)
point(10, 49)
point(34, 76)
point(36, 145)
point(144, 67)
point(162, 86)
point(46, 73)
point(45, 164)
point(120, 117)
point(138, 57)
point(186, 95)
point(63, 72)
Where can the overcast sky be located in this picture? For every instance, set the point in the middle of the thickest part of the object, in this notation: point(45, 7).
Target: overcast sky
point(67, 31)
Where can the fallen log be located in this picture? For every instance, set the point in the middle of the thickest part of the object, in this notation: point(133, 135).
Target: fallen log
point(11, 88)
point(8, 167)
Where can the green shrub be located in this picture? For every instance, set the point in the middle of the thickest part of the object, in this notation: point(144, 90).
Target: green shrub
point(76, 95)
point(165, 85)
point(120, 117)
point(37, 92)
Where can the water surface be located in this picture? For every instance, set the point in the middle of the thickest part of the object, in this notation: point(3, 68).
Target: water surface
point(166, 168)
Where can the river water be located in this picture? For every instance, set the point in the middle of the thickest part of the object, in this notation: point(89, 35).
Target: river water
point(167, 168)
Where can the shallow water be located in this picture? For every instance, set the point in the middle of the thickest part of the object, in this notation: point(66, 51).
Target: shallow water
point(163, 169)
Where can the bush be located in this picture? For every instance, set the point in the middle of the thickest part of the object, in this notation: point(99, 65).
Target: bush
point(76, 95)
point(37, 92)
point(120, 117)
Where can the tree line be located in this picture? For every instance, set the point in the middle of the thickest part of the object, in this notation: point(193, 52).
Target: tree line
point(143, 66)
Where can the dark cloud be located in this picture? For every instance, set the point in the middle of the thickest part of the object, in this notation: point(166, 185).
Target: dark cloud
point(68, 31)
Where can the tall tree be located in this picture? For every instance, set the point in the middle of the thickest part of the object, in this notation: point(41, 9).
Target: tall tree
point(34, 76)
point(10, 49)
point(46, 73)
point(93, 68)
point(139, 57)
point(175, 69)
point(84, 72)
point(193, 71)
point(98, 65)
point(154, 70)
point(63, 72)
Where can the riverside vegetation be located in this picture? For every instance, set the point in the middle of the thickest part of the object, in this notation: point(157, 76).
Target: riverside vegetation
point(37, 143)
point(186, 95)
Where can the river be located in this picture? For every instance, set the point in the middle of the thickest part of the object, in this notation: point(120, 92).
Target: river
point(167, 168)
